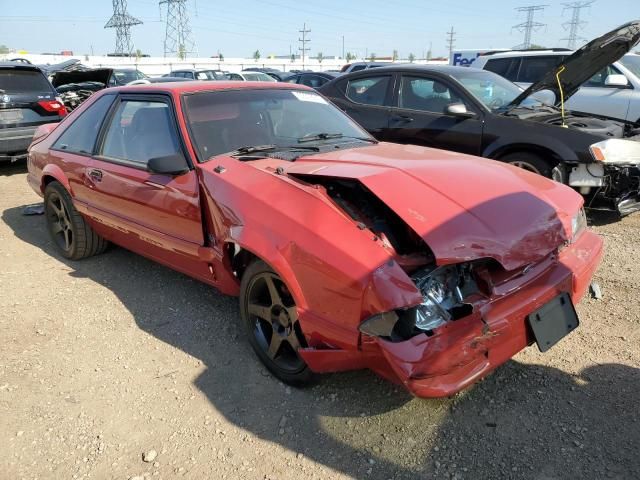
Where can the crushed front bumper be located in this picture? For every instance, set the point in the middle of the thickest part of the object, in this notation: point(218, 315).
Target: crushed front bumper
point(462, 352)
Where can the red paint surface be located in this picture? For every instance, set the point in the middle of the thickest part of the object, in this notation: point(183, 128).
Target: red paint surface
point(464, 208)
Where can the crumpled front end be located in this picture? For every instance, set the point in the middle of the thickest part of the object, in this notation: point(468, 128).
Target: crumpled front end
point(460, 352)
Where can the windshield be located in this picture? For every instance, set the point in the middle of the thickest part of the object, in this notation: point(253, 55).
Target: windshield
point(492, 90)
point(258, 77)
point(13, 80)
point(125, 76)
point(632, 62)
point(224, 121)
point(209, 75)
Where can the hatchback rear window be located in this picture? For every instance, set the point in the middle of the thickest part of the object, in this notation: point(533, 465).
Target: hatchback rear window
point(23, 81)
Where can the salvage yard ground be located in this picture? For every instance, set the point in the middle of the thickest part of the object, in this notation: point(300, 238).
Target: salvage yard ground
point(105, 359)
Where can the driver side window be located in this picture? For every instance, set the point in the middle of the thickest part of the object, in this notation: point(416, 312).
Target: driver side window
point(426, 94)
point(599, 78)
point(139, 131)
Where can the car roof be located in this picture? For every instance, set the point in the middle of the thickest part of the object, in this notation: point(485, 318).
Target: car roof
point(529, 53)
point(443, 69)
point(206, 86)
point(19, 66)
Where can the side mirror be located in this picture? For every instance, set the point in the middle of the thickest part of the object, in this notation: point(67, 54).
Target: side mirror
point(458, 110)
point(546, 97)
point(168, 165)
point(616, 81)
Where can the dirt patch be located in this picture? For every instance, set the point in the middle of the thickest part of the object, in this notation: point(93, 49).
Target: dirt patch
point(106, 359)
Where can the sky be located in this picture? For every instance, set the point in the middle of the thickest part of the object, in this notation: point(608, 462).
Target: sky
point(237, 29)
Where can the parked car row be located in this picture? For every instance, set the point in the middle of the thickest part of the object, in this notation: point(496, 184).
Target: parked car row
point(478, 112)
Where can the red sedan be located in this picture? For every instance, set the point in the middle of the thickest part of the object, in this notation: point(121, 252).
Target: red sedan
point(428, 267)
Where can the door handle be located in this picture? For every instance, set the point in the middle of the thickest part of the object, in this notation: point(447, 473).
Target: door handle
point(95, 175)
point(402, 118)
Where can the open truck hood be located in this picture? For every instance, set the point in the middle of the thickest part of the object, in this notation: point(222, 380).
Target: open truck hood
point(464, 207)
point(586, 62)
point(101, 75)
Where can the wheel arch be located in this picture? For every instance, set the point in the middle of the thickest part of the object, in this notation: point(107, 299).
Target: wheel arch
point(542, 151)
point(245, 248)
point(52, 173)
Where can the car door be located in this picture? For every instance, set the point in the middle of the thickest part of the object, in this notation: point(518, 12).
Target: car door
point(72, 150)
point(367, 99)
point(419, 116)
point(600, 99)
point(155, 214)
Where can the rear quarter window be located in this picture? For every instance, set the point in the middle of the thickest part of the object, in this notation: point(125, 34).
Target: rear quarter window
point(23, 81)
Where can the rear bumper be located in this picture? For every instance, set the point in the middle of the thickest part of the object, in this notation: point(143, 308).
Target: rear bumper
point(15, 141)
point(464, 351)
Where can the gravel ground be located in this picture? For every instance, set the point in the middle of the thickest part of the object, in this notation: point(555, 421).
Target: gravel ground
point(115, 367)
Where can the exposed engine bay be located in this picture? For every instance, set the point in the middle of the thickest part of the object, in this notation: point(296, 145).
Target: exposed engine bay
point(587, 123)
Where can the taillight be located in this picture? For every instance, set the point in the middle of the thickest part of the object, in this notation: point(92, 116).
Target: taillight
point(54, 106)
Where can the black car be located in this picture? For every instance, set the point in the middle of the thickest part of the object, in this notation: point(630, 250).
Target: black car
point(480, 113)
point(27, 100)
point(312, 79)
point(278, 75)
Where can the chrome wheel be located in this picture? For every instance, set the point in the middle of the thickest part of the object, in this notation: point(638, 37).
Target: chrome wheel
point(526, 166)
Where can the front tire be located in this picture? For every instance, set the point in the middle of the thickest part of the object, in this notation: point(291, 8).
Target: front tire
point(532, 162)
point(71, 234)
point(270, 317)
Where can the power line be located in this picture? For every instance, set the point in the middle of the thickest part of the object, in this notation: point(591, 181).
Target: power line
point(575, 24)
point(178, 40)
point(451, 41)
point(122, 22)
point(303, 41)
point(529, 25)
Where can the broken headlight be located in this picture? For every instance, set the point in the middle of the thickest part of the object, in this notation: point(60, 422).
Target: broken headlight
point(443, 292)
point(578, 224)
point(616, 150)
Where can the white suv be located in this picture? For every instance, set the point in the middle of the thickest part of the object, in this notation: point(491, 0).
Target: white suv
point(612, 92)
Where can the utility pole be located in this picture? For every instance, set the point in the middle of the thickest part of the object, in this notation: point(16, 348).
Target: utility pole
point(122, 22)
point(303, 41)
point(177, 39)
point(451, 41)
point(575, 23)
point(342, 46)
point(529, 25)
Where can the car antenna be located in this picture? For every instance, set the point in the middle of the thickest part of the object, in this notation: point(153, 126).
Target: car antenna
point(560, 70)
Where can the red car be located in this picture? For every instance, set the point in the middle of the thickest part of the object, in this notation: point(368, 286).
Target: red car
point(428, 267)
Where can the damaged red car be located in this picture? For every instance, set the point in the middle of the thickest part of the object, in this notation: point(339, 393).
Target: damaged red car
point(428, 267)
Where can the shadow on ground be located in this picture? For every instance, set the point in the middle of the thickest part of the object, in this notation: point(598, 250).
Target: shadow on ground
point(13, 168)
point(524, 421)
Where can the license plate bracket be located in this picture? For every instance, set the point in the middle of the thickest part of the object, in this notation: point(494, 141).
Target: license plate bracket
point(553, 321)
point(13, 115)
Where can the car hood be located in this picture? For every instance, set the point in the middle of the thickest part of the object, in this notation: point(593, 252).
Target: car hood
point(586, 62)
point(464, 207)
point(101, 75)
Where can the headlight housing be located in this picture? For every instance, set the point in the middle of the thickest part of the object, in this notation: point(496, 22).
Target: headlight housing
point(578, 223)
point(443, 291)
point(616, 150)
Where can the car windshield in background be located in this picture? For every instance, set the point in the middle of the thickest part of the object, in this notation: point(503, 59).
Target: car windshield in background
point(632, 62)
point(124, 77)
point(492, 90)
point(258, 77)
point(224, 121)
point(209, 75)
point(23, 81)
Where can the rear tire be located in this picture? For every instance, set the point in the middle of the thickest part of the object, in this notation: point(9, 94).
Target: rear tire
point(71, 234)
point(532, 162)
point(270, 317)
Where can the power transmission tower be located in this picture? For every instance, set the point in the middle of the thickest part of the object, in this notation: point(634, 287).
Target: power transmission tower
point(529, 25)
point(575, 23)
point(304, 40)
point(177, 38)
point(451, 41)
point(122, 22)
